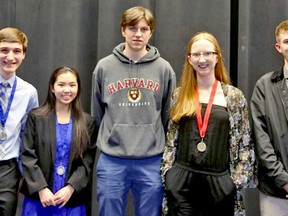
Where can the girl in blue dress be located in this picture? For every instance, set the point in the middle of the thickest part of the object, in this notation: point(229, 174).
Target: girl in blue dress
point(58, 151)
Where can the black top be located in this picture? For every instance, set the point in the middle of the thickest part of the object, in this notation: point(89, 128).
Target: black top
point(215, 158)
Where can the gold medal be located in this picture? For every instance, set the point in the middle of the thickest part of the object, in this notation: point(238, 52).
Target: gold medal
point(201, 146)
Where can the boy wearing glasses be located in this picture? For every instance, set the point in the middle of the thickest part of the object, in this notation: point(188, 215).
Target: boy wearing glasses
point(269, 104)
point(131, 91)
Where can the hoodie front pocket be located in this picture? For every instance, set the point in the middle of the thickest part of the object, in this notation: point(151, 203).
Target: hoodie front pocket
point(132, 139)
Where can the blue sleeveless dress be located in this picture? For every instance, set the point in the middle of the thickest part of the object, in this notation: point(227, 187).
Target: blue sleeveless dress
point(33, 207)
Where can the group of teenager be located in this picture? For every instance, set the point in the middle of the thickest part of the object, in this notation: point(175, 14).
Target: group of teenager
point(185, 150)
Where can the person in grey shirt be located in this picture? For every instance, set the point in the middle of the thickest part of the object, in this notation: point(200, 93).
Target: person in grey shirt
point(131, 91)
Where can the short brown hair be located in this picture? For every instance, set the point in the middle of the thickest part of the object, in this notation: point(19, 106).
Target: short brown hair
point(133, 15)
point(9, 34)
point(283, 26)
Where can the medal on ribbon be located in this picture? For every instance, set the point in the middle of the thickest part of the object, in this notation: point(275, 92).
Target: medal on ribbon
point(60, 169)
point(62, 147)
point(201, 146)
point(3, 134)
point(4, 116)
point(203, 125)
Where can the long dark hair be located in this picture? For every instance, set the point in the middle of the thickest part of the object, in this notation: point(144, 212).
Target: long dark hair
point(80, 130)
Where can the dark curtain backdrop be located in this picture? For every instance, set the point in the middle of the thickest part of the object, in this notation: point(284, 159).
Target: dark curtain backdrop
point(80, 32)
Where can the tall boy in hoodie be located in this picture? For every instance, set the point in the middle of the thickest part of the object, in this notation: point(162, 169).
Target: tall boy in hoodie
point(131, 90)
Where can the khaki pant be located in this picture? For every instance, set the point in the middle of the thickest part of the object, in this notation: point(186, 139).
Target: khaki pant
point(270, 206)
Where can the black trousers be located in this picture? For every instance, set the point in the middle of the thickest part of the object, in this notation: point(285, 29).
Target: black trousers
point(9, 182)
point(196, 194)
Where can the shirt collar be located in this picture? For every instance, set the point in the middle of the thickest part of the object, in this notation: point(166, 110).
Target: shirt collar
point(10, 81)
point(285, 72)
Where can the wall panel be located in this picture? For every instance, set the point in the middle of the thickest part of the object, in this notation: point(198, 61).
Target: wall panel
point(78, 33)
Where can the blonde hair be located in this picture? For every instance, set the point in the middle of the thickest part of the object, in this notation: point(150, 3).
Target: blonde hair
point(283, 26)
point(185, 102)
point(14, 35)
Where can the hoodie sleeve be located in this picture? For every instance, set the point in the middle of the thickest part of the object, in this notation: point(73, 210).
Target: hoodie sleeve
point(167, 98)
point(97, 105)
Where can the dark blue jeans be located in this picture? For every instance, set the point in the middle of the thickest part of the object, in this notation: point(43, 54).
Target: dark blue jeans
point(115, 176)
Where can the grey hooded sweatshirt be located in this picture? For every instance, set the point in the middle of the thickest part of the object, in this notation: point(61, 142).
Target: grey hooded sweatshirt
point(130, 103)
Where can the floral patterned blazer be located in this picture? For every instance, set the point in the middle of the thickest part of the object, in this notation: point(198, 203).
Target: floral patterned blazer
point(242, 165)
